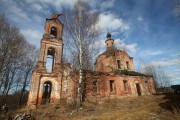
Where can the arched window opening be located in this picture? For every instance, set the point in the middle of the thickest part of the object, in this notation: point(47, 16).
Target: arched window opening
point(127, 64)
point(53, 32)
point(119, 64)
point(50, 60)
point(47, 87)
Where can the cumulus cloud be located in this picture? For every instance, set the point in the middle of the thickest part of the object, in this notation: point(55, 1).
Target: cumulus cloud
point(167, 62)
point(59, 3)
point(107, 4)
point(101, 43)
point(29, 18)
point(151, 52)
point(55, 3)
point(14, 11)
point(22, 10)
point(36, 7)
point(38, 19)
point(140, 18)
point(32, 36)
point(120, 44)
point(132, 47)
point(111, 22)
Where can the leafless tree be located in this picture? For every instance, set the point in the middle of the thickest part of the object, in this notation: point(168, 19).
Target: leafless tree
point(16, 59)
point(26, 68)
point(161, 78)
point(11, 42)
point(83, 29)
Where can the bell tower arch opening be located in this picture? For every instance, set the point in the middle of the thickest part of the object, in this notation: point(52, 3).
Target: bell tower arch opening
point(53, 32)
point(50, 59)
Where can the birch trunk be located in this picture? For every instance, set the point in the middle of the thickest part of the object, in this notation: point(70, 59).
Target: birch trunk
point(80, 85)
point(81, 26)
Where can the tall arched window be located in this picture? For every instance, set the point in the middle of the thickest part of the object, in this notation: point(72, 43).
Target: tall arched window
point(47, 87)
point(118, 64)
point(53, 32)
point(127, 64)
point(50, 59)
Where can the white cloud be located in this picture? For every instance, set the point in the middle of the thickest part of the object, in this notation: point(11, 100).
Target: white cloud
point(178, 78)
point(111, 22)
point(114, 33)
point(175, 74)
point(151, 52)
point(120, 44)
point(36, 7)
point(175, 54)
point(107, 4)
point(58, 3)
point(14, 11)
point(140, 18)
point(32, 36)
point(167, 62)
point(38, 19)
point(132, 47)
point(101, 45)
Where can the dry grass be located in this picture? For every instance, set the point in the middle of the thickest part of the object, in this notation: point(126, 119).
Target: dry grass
point(176, 111)
point(161, 107)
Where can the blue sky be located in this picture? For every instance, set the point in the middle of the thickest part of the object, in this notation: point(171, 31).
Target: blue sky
point(148, 29)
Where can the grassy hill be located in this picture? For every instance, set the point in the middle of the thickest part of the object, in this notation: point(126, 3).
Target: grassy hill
point(155, 107)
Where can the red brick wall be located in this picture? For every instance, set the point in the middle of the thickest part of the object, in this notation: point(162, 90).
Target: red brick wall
point(109, 63)
point(103, 85)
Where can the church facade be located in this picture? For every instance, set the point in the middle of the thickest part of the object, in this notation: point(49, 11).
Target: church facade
point(114, 73)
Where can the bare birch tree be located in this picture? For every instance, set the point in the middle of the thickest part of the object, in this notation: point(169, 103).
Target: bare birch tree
point(83, 29)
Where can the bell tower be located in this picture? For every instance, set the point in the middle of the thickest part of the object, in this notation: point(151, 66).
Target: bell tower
point(46, 85)
point(51, 45)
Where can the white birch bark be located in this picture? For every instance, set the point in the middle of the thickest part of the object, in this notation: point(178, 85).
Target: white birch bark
point(82, 28)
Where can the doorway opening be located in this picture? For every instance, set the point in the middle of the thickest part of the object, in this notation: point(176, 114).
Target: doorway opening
point(47, 87)
point(138, 89)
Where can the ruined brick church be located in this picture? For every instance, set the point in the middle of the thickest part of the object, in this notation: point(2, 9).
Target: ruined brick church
point(114, 74)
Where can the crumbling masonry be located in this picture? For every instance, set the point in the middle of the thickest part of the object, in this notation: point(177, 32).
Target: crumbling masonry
point(114, 73)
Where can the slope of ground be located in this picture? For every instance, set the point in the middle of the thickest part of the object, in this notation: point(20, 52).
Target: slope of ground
point(154, 107)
